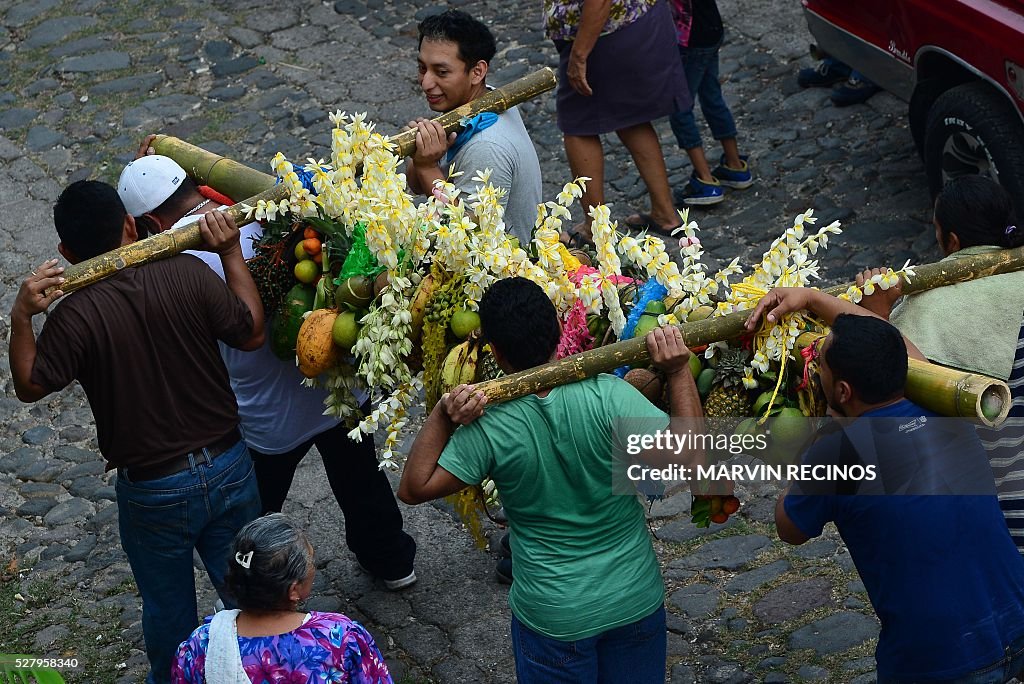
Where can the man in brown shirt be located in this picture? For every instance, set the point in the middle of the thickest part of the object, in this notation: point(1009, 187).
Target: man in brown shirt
point(143, 344)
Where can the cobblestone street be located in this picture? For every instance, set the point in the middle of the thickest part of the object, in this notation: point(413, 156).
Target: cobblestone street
point(81, 81)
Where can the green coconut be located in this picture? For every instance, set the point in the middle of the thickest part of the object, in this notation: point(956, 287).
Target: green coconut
point(355, 292)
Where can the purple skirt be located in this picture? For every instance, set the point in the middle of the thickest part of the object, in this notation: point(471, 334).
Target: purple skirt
point(636, 75)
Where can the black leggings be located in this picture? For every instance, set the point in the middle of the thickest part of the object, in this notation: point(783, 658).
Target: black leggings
point(373, 523)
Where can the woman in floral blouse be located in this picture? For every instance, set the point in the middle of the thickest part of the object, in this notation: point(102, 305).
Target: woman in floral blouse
point(619, 70)
point(270, 571)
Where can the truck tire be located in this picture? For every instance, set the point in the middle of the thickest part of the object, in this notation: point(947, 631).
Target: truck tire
point(973, 129)
point(925, 93)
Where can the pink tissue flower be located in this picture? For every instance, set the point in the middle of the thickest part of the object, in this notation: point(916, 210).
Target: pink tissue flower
point(576, 336)
point(576, 277)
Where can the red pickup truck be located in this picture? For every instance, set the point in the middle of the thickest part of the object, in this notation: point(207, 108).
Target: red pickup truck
point(958, 63)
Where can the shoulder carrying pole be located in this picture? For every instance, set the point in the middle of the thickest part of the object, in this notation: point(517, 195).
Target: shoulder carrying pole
point(238, 180)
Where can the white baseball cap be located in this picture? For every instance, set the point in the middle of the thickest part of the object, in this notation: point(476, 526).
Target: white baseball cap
point(147, 182)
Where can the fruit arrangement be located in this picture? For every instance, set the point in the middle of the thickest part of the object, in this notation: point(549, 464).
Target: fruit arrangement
point(302, 260)
point(371, 291)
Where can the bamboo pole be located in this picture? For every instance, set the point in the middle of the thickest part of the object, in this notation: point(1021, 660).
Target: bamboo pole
point(497, 101)
point(948, 391)
point(159, 246)
point(206, 168)
point(632, 352)
point(952, 392)
point(238, 180)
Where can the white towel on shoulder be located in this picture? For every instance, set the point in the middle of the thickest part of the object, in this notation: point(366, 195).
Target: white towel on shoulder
point(223, 659)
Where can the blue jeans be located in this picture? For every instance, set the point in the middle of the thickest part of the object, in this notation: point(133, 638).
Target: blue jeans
point(632, 653)
point(701, 66)
point(161, 521)
point(1006, 668)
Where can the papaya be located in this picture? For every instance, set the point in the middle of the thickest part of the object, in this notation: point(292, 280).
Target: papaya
point(315, 346)
point(695, 365)
point(284, 330)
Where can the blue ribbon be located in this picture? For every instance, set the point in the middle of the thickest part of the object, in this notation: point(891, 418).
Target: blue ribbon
point(470, 127)
point(305, 177)
point(651, 291)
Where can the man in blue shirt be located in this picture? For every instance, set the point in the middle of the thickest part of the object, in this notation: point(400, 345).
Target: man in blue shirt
point(942, 572)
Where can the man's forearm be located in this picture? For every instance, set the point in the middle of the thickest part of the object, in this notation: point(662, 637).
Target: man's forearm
point(240, 282)
point(424, 455)
point(425, 175)
point(684, 400)
point(786, 528)
point(685, 416)
point(828, 308)
point(685, 408)
point(22, 356)
point(412, 177)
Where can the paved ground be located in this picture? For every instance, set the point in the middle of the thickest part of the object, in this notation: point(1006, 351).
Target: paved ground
point(82, 81)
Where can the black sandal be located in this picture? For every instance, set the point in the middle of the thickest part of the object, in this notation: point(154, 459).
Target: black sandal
point(575, 240)
point(647, 223)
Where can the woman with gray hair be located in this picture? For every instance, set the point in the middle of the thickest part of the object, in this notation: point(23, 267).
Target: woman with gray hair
point(270, 572)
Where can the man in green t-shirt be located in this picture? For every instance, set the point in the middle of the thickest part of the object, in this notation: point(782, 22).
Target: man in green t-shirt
point(588, 598)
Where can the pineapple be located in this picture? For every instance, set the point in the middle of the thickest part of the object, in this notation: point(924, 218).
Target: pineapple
point(728, 397)
point(487, 368)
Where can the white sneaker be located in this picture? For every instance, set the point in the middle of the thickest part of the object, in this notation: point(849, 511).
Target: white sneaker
point(407, 581)
point(393, 585)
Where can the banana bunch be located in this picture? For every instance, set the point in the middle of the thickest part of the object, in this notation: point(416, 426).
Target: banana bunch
point(459, 367)
point(424, 291)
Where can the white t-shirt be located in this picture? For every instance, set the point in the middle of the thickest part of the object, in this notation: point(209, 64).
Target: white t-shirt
point(277, 413)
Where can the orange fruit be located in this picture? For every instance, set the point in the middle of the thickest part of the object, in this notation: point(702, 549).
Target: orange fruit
point(319, 258)
point(720, 517)
point(312, 246)
point(310, 233)
point(730, 505)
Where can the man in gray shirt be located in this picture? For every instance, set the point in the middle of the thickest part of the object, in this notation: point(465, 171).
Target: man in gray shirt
point(454, 55)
